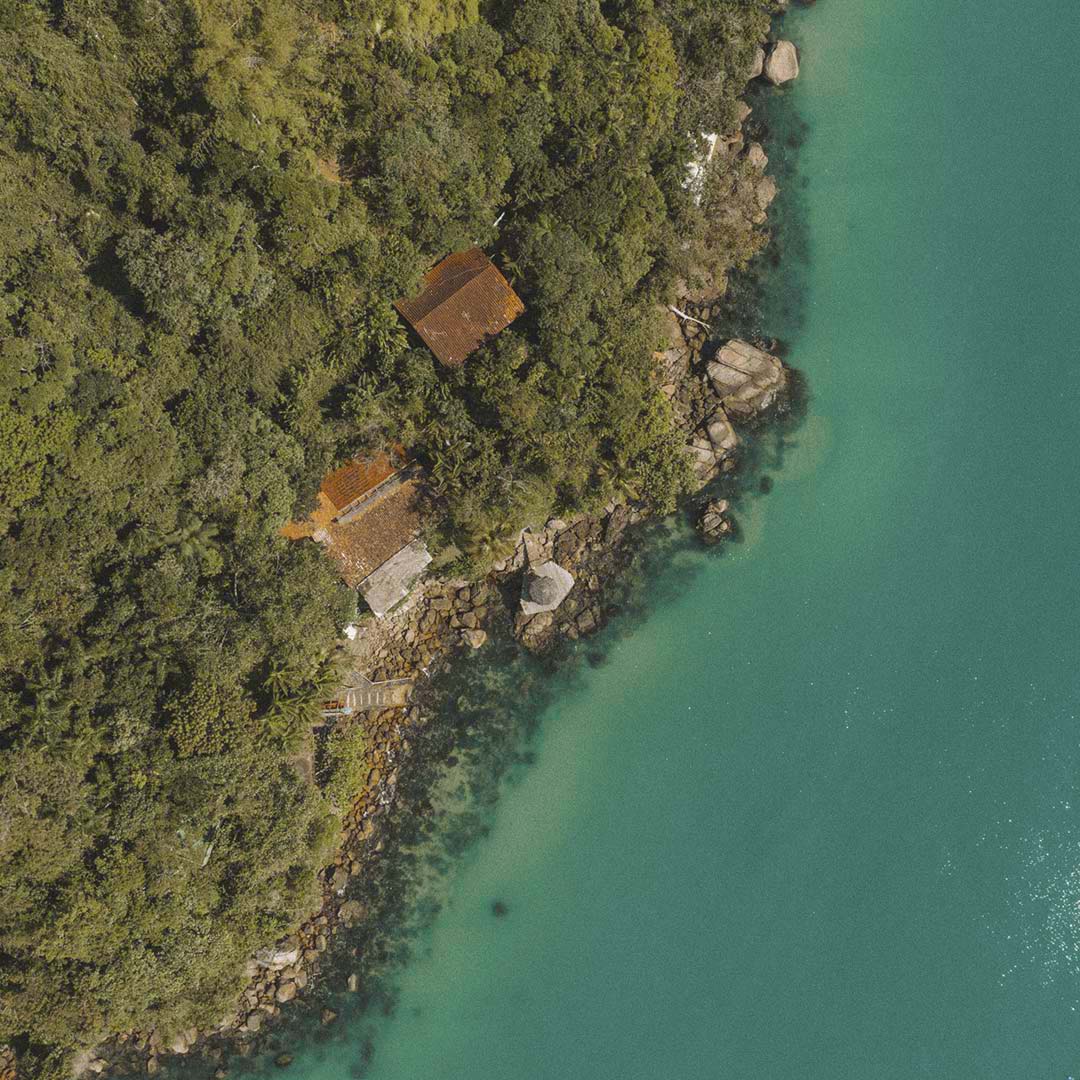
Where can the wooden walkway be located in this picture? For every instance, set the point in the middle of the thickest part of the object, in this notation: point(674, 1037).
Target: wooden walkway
point(362, 695)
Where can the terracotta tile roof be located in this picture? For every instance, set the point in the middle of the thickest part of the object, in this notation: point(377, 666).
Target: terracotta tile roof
point(464, 302)
point(381, 531)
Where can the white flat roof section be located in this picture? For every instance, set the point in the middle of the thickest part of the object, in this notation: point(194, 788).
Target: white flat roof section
point(386, 587)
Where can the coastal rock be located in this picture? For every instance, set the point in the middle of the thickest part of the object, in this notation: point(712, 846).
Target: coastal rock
point(782, 63)
point(746, 379)
point(757, 157)
point(538, 623)
point(702, 461)
point(277, 958)
point(545, 588)
point(537, 548)
point(474, 638)
point(617, 521)
point(712, 447)
point(721, 433)
point(757, 66)
point(286, 992)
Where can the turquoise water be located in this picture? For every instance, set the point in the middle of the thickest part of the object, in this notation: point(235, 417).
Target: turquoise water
point(818, 815)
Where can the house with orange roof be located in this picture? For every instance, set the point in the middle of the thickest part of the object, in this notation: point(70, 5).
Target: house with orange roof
point(368, 521)
point(464, 303)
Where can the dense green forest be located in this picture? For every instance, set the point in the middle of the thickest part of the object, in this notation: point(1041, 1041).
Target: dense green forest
point(208, 207)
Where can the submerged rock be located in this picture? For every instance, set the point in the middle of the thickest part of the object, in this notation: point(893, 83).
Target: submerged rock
point(352, 911)
point(782, 63)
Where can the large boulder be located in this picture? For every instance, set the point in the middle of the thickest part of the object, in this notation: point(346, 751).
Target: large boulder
point(765, 191)
point(545, 588)
point(746, 379)
point(782, 63)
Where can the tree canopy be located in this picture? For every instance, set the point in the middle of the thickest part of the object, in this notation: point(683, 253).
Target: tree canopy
point(209, 208)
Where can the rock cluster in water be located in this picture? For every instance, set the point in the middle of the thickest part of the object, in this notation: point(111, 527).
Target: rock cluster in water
point(714, 523)
point(712, 389)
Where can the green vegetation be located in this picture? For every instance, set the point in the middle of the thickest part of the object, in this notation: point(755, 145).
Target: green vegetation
point(208, 208)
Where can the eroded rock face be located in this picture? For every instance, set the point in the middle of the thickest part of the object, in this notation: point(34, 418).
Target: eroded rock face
point(758, 66)
point(721, 433)
point(782, 63)
point(712, 449)
point(276, 959)
point(746, 379)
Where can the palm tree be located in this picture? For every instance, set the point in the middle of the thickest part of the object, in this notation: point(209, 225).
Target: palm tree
point(193, 537)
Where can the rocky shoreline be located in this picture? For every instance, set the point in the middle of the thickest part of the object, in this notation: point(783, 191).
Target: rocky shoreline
point(718, 391)
point(445, 617)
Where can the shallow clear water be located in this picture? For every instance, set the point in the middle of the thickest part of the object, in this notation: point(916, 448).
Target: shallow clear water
point(818, 815)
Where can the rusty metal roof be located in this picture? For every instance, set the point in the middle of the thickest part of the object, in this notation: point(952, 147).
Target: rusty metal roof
point(345, 485)
point(464, 302)
point(356, 478)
